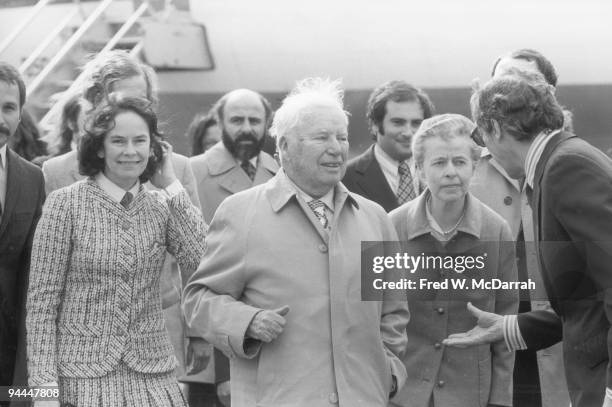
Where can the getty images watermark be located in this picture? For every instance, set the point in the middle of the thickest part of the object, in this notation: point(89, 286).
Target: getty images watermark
point(430, 270)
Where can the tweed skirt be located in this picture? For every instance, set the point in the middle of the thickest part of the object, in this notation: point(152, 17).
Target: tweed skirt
point(123, 387)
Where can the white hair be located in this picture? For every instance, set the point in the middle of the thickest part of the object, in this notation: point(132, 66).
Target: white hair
point(307, 94)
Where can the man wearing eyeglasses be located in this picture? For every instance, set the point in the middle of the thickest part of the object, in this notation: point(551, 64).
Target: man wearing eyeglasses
point(538, 375)
point(568, 184)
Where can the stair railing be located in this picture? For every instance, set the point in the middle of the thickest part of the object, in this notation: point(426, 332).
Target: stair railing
point(54, 110)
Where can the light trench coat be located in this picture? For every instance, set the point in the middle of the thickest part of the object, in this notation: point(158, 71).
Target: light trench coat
point(266, 249)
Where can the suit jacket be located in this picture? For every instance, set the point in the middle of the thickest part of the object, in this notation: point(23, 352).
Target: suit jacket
point(494, 187)
point(63, 170)
point(93, 300)
point(266, 249)
point(24, 198)
point(572, 214)
point(365, 177)
point(218, 176)
point(477, 376)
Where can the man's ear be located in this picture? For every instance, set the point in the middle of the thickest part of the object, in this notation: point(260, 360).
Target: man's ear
point(282, 144)
point(497, 132)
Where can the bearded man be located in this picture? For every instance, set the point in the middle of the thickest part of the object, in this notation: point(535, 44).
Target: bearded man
point(236, 164)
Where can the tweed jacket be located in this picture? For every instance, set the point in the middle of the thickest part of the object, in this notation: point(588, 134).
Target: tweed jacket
point(494, 187)
point(266, 249)
point(475, 376)
point(365, 177)
point(63, 170)
point(94, 297)
point(572, 214)
point(218, 176)
point(23, 203)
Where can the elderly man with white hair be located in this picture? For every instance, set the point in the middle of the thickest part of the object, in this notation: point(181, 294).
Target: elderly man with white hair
point(279, 287)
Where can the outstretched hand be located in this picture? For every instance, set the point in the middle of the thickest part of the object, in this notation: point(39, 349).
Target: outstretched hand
point(489, 329)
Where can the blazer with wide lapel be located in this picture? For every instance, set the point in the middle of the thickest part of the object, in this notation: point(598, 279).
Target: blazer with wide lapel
point(23, 205)
point(572, 216)
point(218, 176)
point(365, 177)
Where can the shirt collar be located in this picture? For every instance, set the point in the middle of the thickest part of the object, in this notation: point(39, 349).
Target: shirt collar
point(114, 190)
point(327, 199)
point(385, 159)
point(281, 189)
point(471, 222)
point(535, 153)
point(3, 156)
point(252, 161)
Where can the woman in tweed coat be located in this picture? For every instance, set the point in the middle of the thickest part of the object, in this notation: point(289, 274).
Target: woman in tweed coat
point(95, 325)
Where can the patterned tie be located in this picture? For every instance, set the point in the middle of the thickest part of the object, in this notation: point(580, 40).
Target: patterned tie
point(126, 200)
point(405, 190)
point(249, 168)
point(318, 207)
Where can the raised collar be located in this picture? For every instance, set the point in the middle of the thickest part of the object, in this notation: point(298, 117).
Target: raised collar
point(281, 189)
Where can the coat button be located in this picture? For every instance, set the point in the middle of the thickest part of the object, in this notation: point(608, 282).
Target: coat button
point(437, 345)
point(323, 249)
point(333, 398)
point(127, 251)
point(440, 310)
point(126, 225)
point(118, 331)
point(508, 200)
point(441, 383)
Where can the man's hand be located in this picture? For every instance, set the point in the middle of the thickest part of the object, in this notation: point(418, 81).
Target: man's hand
point(489, 329)
point(267, 324)
point(198, 355)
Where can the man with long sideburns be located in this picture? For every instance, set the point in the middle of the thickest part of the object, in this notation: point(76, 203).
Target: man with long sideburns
point(278, 289)
point(21, 199)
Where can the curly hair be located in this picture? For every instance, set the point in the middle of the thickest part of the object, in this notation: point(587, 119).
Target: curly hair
point(521, 102)
point(103, 71)
point(102, 122)
point(396, 91)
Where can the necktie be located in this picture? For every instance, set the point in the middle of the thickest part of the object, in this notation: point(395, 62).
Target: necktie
point(318, 207)
point(405, 190)
point(126, 200)
point(249, 168)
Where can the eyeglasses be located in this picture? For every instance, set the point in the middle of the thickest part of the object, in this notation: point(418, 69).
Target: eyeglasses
point(477, 137)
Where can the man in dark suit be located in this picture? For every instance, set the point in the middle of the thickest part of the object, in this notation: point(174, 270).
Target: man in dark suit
point(385, 173)
point(520, 121)
point(22, 193)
